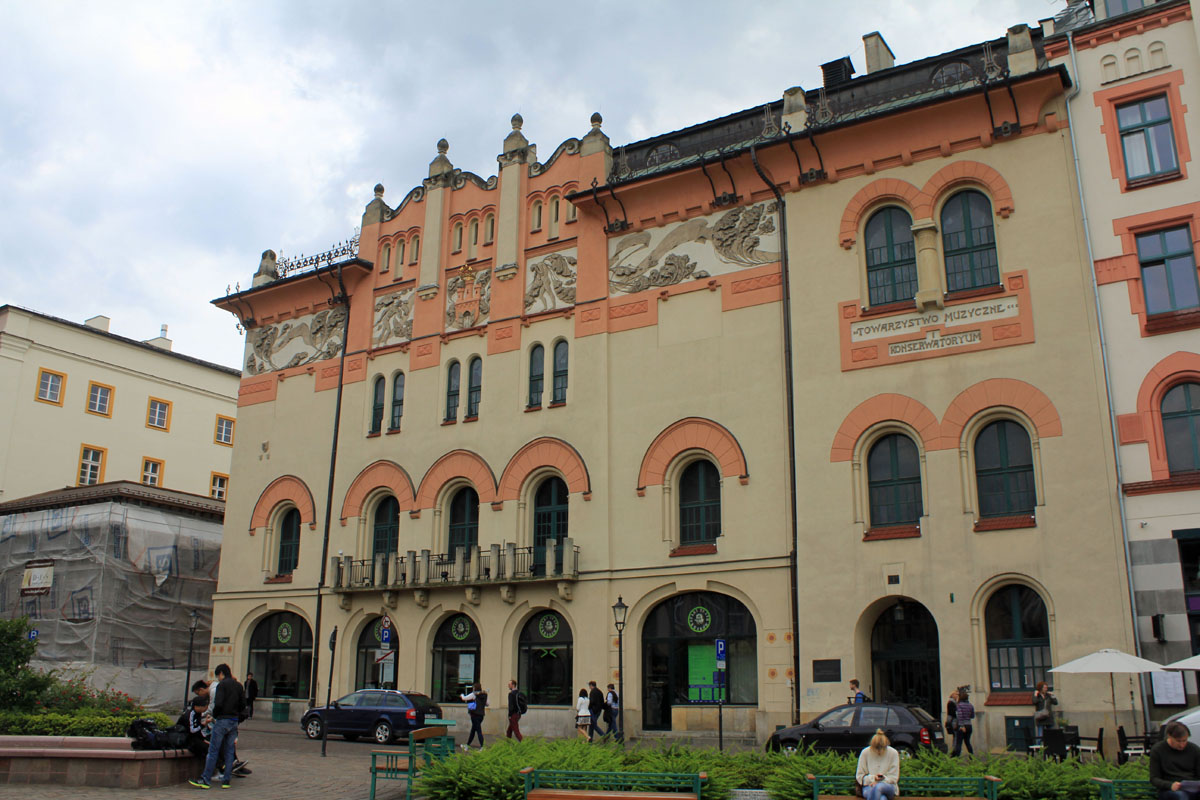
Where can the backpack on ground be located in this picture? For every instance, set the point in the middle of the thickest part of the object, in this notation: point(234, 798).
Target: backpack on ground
point(522, 703)
point(146, 735)
point(177, 737)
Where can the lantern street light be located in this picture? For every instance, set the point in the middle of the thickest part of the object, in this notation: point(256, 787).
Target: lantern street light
point(620, 610)
point(193, 624)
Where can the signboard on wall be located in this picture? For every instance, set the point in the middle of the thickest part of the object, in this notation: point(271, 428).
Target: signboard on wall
point(827, 670)
point(38, 577)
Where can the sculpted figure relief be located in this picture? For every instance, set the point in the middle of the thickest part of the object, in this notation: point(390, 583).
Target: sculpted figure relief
point(551, 283)
point(393, 318)
point(468, 302)
point(295, 343)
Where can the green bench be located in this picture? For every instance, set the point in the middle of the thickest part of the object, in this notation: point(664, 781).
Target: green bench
point(424, 745)
point(1122, 788)
point(564, 784)
point(912, 787)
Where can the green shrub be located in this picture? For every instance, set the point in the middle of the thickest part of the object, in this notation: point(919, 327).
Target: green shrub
point(84, 723)
point(20, 685)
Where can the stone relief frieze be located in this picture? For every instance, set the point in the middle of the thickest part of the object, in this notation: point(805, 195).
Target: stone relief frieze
point(550, 282)
point(717, 244)
point(468, 299)
point(393, 318)
point(295, 342)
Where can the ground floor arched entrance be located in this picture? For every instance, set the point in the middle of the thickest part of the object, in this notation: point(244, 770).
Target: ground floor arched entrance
point(905, 657)
point(281, 654)
point(679, 660)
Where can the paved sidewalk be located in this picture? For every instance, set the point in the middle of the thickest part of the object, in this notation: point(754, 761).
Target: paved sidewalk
point(285, 765)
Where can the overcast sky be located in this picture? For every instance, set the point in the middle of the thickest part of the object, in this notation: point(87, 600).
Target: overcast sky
point(149, 152)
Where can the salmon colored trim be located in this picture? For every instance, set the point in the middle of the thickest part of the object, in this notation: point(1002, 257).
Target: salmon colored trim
point(1126, 267)
point(1000, 392)
point(387, 474)
point(870, 197)
point(286, 487)
point(1186, 482)
point(456, 464)
point(892, 532)
point(878, 409)
point(1005, 523)
point(545, 452)
point(692, 433)
point(1179, 367)
point(1107, 100)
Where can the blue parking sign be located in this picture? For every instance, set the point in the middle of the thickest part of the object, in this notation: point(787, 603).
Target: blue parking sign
point(33, 634)
point(720, 649)
point(385, 635)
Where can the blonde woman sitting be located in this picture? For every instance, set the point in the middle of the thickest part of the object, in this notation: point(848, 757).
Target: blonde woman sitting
point(879, 768)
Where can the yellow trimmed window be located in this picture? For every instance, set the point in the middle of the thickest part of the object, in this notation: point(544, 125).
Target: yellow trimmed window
point(224, 431)
point(100, 398)
point(218, 486)
point(51, 386)
point(152, 471)
point(158, 414)
point(91, 465)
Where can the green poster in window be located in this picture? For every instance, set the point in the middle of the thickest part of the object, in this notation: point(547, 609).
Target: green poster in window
point(702, 667)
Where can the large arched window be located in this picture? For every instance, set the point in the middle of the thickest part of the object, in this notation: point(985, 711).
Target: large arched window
point(397, 401)
point(561, 350)
point(549, 523)
point(699, 503)
point(1004, 470)
point(1181, 427)
point(537, 375)
point(377, 404)
point(544, 660)
point(281, 655)
point(416, 250)
point(891, 257)
point(894, 480)
point(474, 386)
point(1018, 639)
point(455, 659)
point(452, 378)
point(289, 542)
point(969, 242)
point(464, 521)
point(386, 530)
point(370, 672)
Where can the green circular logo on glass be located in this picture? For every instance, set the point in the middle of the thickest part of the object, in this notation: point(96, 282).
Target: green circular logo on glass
point(284, 633)
point(699, 619)
point(460, 628)
point(548, 626)
point(377, 629)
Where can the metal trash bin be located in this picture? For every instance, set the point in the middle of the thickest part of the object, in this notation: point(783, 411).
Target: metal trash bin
point(280, 708)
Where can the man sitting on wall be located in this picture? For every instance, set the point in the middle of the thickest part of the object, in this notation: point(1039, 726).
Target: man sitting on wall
point(1175, 765)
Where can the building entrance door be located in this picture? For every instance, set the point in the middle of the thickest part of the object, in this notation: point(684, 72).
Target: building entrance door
point(905, 657)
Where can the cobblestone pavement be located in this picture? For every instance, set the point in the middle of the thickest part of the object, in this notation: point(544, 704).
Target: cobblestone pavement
point(285, 765)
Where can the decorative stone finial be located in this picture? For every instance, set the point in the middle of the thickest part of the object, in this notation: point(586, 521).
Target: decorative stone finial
point(597, 120)
point(379, 190)
point(517, 122)
point(442, 146)
point(267, 269)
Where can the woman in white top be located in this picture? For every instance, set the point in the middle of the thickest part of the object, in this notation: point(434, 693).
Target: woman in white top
point(583, 717)
point(879, 768)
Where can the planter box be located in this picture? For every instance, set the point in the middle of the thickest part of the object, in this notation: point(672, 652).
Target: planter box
point(749, 794)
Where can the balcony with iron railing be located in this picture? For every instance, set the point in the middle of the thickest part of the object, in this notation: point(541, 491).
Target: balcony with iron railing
point(499, 564)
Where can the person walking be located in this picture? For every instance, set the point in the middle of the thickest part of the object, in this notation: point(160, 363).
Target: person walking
point(952, 713)
point(857, 695)
point(251, 694)
point(1043, 708)
point(476, 701)
point(582, 715)
point(613, 703)
point(595, 706)
point(878, 768)
point(964, 713)
point(229, 701)
point(516, 701)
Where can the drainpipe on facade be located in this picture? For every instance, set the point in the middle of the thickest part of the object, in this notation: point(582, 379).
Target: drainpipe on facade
point(344, 299)
point(1112, 409)
point(790, 391)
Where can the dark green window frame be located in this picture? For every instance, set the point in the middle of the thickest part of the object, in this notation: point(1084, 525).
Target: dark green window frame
point(891, 257)
point(969, 242)
point(1168, 264)
point(537, 375)
point(894, 481)
point(561, 355)
point(474, 386)
point(1004, 470)
point(550, 516)
point(386, 528)
point(1018, 657)
point(289, 542)
point(453, 373)
point(1147, 138)
point(699, 503)
point(464, 521)
point(397, 401)
point(377, 404)
point(1181, 427)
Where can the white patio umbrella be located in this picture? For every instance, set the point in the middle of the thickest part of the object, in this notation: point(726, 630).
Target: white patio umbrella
point(1110, 661)
point(1187, 663)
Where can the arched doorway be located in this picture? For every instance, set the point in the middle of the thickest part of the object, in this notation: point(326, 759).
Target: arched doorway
point(370, 672)
point(455, 659)
point(679, 662)
point(281, 654)
point(544, 660)
point(905, 661)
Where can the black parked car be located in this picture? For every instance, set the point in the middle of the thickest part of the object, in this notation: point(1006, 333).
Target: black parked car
point(849, 728)
point(381, 714)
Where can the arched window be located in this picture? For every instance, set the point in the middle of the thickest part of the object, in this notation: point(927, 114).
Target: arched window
point(537, 367)
point(536, 216)
point(289, 542)
point(544, 669)
point(474, 386)
point(891, 257)
point(464, 522)
point(553, 216)
point(489, 228)
point(370, 672)
point(473, 242)
point(560, 372)
point(549, 524)
point(699, 503)
point(416, 249)
point(457, 237)
point(377, 404)
point(969, 242)
point(455, 659)
point(399, 254)
point(397, 401)
point(1181, 427)
point(1004, 470)
point(894, 480)
point(387, 258)
point(386, 530)
point(281, 655)
point(570, 210)
point(452, 375)
point(1018, 639)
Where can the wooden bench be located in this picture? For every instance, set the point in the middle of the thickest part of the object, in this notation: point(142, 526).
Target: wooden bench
point(563, 784)
point(912, 787)
point(424, 745)
point(1122, 788)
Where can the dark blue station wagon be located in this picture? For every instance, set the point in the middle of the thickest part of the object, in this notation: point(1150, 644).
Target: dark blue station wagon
point(381, 714)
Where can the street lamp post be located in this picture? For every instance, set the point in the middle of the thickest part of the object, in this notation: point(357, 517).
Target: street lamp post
point(193, 623)
point(619, 612)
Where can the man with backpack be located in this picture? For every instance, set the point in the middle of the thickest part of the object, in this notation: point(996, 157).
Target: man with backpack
point(517, 705)
point(228, 705)
point(612, 712)
point(595, 706)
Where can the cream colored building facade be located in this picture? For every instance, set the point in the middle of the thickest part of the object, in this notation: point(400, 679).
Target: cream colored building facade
point(80, 406)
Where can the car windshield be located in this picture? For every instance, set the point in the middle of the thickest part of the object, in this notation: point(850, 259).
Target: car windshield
point(421, 702)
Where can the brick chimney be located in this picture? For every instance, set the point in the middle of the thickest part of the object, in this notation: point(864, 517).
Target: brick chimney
point(879, 55)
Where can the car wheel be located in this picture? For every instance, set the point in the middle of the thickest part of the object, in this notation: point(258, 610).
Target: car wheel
point(383, 733)
point(313, 728)
point(905, 751)
point(350, 737)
